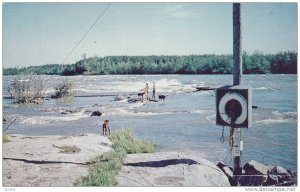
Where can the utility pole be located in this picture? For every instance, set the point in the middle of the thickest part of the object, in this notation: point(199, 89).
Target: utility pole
point(237, 44)
point(237, 74)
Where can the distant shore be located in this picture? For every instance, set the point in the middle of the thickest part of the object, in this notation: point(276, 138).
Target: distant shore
point(256, 63)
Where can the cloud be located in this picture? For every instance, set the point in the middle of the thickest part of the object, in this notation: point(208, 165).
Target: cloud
point(178, 11)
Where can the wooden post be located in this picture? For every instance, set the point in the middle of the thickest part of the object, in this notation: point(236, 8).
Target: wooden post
point(237, 74)
point(237, 42)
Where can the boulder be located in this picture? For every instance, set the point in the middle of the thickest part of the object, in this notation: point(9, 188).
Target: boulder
point(96, 113)
point(292, 172)
point(226, 170)
point(271, 180)
point(282, 174)
point(255, 168)
point(221, 165)
point(257, 174)
point(119, 98)
point(69, 111)
point(284, 178)
point(278, 170)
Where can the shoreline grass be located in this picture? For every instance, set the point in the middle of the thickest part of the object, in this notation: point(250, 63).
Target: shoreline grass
point(104, 168)
point(6, 138)
point(69, 149)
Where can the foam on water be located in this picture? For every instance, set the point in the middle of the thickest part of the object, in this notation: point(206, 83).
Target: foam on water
point(132, 85)
point(260, 88)
point(40, 120)
point(279, 117)
point(271, 121)
point(291, 115)
point(125, 112)
point(202, 112)
point(264, 89)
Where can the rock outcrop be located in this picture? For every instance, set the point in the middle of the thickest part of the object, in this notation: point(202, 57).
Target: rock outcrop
point(96, 113)
point(258, 174)
point(31, 161)
point(170, 169)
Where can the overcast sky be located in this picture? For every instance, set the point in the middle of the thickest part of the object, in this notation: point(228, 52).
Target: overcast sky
point(45, 33)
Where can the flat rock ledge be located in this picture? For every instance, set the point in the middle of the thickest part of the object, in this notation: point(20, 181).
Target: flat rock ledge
point(170, 169)
point(38, 161)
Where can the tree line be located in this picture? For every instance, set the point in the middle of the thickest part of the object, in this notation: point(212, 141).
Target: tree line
point(256, 63)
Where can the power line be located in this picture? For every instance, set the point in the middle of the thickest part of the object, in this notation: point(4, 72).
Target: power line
point(100, 16)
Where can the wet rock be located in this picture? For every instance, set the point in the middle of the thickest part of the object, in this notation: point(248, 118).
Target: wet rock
point(118, 98)
point(255, 168)
point(96, 113)
point(36, 101)
point(258, 174)
point(221, 165)
point(69, 111)
point(284, 178)
point(292, 172)
point(282, 174)
point(226, 170)
point(133, 100)
point(271, 180)
point(278, 170)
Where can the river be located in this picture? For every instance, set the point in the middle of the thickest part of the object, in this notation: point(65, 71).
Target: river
point(184, 121)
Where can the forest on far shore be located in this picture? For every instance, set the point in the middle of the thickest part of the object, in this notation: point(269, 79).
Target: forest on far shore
point(256, 63)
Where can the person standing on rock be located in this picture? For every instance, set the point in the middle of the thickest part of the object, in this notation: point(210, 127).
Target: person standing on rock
point(153, 91)
point(106, 128)
point(146, 91)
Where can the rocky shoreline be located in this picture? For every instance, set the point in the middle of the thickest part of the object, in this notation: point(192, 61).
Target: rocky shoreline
point(258, 174)
point(57, 161)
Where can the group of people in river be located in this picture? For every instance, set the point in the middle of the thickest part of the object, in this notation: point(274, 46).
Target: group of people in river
point(145, 94)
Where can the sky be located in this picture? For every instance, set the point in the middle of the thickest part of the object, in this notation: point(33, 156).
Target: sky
point(46, 33)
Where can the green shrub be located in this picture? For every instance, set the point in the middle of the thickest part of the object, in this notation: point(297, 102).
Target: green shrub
point(104, 168)
point(68, 149)
point(126, 140)
point(64, 89)
point(6, 138)
point(25, 89)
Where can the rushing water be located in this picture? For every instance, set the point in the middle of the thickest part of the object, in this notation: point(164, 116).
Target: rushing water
point(184, 121)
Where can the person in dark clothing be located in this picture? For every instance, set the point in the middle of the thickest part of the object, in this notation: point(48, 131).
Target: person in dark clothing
point(153, 91)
